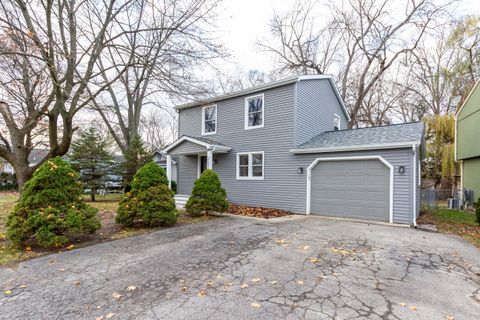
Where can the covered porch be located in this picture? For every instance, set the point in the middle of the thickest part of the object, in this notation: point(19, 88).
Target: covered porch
point(193, 155)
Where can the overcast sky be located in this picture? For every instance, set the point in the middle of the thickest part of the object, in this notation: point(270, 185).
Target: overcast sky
point(244, 22)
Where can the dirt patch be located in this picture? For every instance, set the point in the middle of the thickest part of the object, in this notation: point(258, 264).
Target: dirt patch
point(257, 211)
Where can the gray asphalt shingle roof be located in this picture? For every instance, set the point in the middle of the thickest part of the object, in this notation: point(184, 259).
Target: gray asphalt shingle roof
point(396, 133)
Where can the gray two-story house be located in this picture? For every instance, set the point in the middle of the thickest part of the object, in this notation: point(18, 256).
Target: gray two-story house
point(286, 145)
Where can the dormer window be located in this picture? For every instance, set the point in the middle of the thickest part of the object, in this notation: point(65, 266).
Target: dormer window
point(336, 122)
point(254, 111)
point(209, 120)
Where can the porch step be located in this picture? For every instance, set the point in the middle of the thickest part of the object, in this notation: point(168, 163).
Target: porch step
point(181, 200)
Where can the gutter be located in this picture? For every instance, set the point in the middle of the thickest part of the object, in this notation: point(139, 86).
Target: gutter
point(414, 171)
point(356, 148)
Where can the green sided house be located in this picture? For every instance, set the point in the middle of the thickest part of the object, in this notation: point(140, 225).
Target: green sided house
point(467, 141)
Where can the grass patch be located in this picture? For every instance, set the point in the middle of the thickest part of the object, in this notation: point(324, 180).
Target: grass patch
point(11, 254)
point(454, 222)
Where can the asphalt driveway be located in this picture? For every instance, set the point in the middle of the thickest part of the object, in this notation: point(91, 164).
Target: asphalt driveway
point(230, 268)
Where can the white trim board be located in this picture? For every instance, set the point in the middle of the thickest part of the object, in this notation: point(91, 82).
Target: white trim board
point(208, 146)
point(359, 147)
point(352, 158)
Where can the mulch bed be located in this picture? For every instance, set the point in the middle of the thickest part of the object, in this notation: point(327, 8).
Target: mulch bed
point(257, 211)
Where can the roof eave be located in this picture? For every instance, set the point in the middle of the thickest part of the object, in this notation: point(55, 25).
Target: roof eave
point(401, 145)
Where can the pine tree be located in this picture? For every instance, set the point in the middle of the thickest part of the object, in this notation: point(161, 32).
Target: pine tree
point(90, 156)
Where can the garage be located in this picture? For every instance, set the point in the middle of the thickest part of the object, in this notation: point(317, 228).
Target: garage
point(355, 187)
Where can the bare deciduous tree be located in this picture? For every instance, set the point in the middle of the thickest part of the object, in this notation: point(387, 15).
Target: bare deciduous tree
point(161, 64)
point(361, 33)
point(51, 49)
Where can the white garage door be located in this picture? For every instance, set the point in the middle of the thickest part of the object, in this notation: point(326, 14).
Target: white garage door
point(351, 189)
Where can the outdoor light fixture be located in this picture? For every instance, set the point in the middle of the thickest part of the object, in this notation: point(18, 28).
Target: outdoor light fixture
point(300, 170)
point(401, 169)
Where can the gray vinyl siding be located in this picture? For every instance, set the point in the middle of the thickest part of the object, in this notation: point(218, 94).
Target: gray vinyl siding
point(316, 104)
point(282, 186)
point(188, 147)
point(187, 173)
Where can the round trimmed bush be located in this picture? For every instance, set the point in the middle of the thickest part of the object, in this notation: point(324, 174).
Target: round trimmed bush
point(207, 195)
point(150, 202)
point(51, 207)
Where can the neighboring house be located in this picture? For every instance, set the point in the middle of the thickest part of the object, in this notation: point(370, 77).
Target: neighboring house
point(286, 145)
point(34, 158)
point(467, 146)
point(162, 161)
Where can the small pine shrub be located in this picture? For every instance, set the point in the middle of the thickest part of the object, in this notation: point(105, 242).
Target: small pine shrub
point(477, 211)
point(207, 195)
point(51, 207)
point(150, 202)
point(149, 175)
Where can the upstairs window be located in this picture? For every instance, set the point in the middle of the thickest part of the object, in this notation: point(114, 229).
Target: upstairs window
point(250, 165)
point(336, 122)
point(254, 111)
point(209, 120)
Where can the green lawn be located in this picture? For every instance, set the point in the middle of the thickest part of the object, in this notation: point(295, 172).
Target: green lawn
point(456, 222)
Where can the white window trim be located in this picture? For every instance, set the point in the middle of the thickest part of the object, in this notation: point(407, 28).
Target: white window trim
point(250, 170)
point(203, 120)
point(336, 116)
point(247, 127)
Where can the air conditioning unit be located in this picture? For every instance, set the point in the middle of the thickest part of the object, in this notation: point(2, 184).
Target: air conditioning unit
point(453, 203)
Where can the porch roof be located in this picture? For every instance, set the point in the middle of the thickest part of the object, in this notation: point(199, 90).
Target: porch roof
point(203, 144)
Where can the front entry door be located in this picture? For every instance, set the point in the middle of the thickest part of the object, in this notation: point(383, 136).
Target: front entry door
point(203, 164)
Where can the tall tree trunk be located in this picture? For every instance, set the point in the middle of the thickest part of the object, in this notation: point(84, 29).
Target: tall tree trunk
point(92, 194)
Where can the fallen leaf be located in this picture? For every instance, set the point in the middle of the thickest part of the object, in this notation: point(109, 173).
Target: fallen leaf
point(23, 286)
point(281, 241)
point(201, 294)
point(51, 261)
point(255, 305)
point(209, 284)
point(61, 270)
point(413, 308)
point(99, 307)
point(401, 304)
point(314, 260)
point(343, 252)
point(28, 249)
point(304, 248)
point(116, 295)
point(7, 292)
point(300, 282)
point(255, 280)
point(70, 247)
point(131, 288)
point(184, 289)
point(77, 283)
point(243, 286)
point(450, 318)
point(274, 282)
point(109, 315)
point(227, 284)
point(99, 318)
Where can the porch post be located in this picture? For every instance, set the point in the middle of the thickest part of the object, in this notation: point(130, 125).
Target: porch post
point(169, 170)
point(210, 159)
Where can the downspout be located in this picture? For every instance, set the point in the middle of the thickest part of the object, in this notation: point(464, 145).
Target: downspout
point(414, 191)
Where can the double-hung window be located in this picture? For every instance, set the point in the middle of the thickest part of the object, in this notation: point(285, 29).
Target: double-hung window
point(209, 120)
point(336, 122)
point(254, 111)
point(250, 165)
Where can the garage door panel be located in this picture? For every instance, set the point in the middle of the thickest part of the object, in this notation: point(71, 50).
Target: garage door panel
point(351, 188)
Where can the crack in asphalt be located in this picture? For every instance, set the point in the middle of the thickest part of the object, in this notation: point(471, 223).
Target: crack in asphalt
point(241, 269)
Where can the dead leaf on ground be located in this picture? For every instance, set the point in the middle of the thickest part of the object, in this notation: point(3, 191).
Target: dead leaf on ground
point(23, 286)
point(61, 270)
point(450, 318)
point(116, 295)
point(28, 249)
point(274, 282)
point(70, 247)
point(77, 283)
point(227, 284)
point(413, 308)
point(314, 260)
point(209, 284)
point(7, 292)
point(131, 288)
point(243, 286)
point(304, 248)
point(99, 318)
point(184, 289)
point(109, 315)
point(255, 305)
point(401, 304)
point(300, 282)
point(255, 280)
point(202, 294)
point(343, 252)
